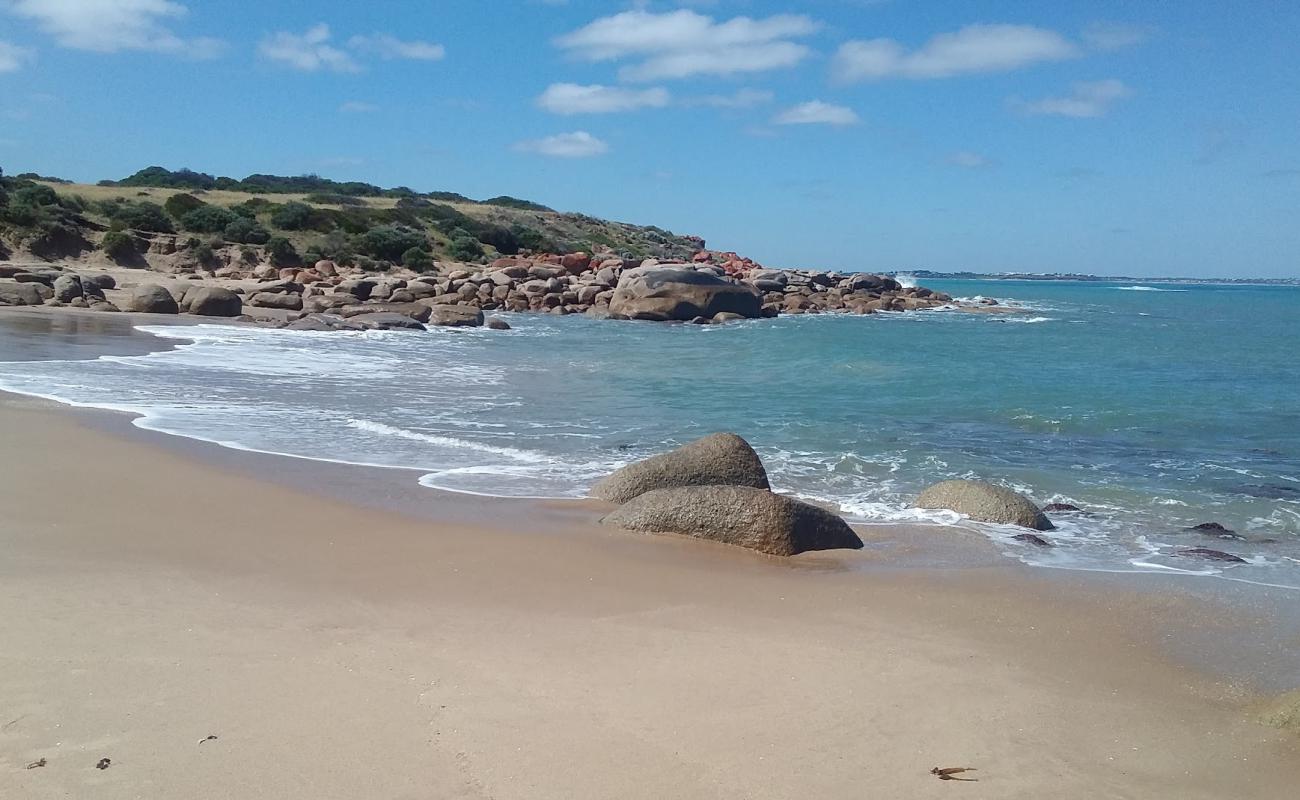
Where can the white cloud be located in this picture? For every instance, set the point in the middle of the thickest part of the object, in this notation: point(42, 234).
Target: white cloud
point(358, 107)
point(570, 98)
point(973, 49)
point(309, 51)
point(1086, 99)
point(578, 144)
point(1115, 35)
point(815, 112)
point(683, 43)
point(12, 57)
point(109, 26)
point(968, 160)
point(390, 47)
point(741, 98)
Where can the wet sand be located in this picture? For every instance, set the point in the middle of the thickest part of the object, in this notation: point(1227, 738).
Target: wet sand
point(344, 634)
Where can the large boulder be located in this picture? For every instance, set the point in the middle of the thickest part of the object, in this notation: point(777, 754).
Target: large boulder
point(213, 301)
point(454, 316)
point(287, 302)
point(20, 294)
point(739, 515)
point(67, 288)
point(668, 293)
point(150, 298)
point(985, 502)
point(717, 459)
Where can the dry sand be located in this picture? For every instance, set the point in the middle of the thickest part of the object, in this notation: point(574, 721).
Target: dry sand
point(150, 598)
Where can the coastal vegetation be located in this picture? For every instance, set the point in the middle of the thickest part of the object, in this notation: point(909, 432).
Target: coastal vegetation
point(303, 217)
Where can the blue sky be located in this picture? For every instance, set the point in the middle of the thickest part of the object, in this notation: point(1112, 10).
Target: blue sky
point(1102, 137)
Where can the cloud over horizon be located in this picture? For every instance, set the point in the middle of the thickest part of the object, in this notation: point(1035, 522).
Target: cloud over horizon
point(817, 112)
point(683, 43)
point(973, 49)
point(572, 98)
point(111, 26)
point(578, 144)
point(1085, 99)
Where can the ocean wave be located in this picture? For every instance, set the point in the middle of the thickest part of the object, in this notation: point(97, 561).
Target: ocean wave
point(446, 441)
point(1145, 289)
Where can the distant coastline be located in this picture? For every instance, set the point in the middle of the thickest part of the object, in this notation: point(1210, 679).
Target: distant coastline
point(925, 274)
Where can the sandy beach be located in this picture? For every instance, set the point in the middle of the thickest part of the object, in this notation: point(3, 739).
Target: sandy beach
point(152, 598)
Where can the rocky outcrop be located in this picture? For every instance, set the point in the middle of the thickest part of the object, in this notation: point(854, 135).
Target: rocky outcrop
point(20, 294)
point(150, 298)
point(212, 301)
point(662, 294)
point(718, 459)
point(1207, 554)
point(738, 515)
point(985, 502)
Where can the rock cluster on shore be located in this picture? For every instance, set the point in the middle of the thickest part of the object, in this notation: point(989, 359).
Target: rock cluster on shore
point(332, 297)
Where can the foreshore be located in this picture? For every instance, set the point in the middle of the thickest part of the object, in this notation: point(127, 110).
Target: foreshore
point(342, 633)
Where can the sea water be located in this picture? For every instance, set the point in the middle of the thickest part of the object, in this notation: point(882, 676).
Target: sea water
point(1151, 407)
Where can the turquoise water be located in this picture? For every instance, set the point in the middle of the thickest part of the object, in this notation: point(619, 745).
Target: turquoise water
point(1152, 408)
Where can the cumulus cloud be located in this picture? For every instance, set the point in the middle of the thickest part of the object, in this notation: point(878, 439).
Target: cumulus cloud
point(12, 57)
point(389, 47)
point(970, 50)
point(816, 112)
point(1085, 99)
point(683, 43)
point(571, 98)
point(309, 51)
point(109, 26)
point(578, 144)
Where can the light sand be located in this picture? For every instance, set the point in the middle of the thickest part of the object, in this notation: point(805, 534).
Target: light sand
point(149, 599)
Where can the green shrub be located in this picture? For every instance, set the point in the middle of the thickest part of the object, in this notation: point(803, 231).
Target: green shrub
point(35, 195)
point(204, 255)
point(464, 247)
point(246, 231)
point(178, 205)
point(208, 219)
point(417, 259)
point(294, 216)
point(533, 239)
point(142, 216)
point(507, 201)
point(503, 239)
point(390, 241)
point(118, 245)
point(282, 252)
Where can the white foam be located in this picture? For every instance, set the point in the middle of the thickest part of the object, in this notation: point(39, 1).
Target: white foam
point(1145, 289)
point(446, 441)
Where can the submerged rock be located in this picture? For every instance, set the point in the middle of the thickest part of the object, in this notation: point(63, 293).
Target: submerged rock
point(498, 324)
point(1060, 507)
point(1211, 555)
point(739, 515)
point(454, 316)
point(1032, 538)
point(717, 459)
point(985, 502)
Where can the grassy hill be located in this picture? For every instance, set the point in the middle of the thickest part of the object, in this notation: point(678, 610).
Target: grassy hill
point(298, 218)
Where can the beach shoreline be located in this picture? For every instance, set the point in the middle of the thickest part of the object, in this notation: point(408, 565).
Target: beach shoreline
point(343, 633)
